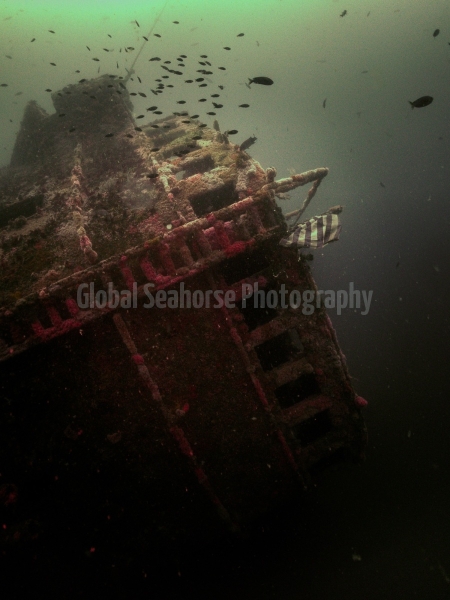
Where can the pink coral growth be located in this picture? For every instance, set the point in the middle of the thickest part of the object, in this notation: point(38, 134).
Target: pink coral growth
point(360, 401)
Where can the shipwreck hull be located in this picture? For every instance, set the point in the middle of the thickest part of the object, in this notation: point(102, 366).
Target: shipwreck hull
point(189, 420)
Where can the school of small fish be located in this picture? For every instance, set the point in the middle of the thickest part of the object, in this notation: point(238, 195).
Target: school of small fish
point(188, 63)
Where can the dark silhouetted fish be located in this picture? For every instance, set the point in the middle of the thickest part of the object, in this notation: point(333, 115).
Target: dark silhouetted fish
point(248, 142)
point(421, 102)
point(231, 132)
point(244, 105)
point(240, 34)
point(436, 32)
point(260, 80)
point(343, 13)
point(109, 135)
point(324, 103)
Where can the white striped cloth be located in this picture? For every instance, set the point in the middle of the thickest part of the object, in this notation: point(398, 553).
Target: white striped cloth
point(315, 233)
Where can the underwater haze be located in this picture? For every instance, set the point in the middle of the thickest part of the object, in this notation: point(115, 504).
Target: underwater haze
point(344, 76)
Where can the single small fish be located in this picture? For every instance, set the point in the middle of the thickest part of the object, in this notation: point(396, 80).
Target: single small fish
point(157, 112)
point(220, 87)
point(248, 142)
point(82, 80)
point(152, 175)
point(62, 115)
point(154, 58)
point(109, 35)
point(106, 49)
point(72, 129)
point(181, 101)
point(382, 184)
point(96, 59)
point(8, 56)
point(222, 68)
point(324, 103)
point(129, 135)
point(130, 48)
point(77, 71)
point(240, 34)
point(137, 129)
point(202, 100)
point(203, 125)
point(260, 80)
point(215, 95)
point(109, 135)
point(156, 35)
point(155, 126)
point(436, 32)
point(33, 39)
point(18, 94)
point(137, 23)
point(231, 132)
point(140, 81)
point(189, 81)
point(244, 105)
point(203, 85)
point(195, 116)
point(185, 121)
point(140, 117)
point(421, 102)
point(217, 105)
point(51, 31)
point(197, 137)
point(343, 13)
point(152, 108)
point(176, 22)
point(146, 39)
point(88, 48)
point(48, 90)
point(210, 113)
point(227, 48)
point(53, 64)
point(142, 94)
